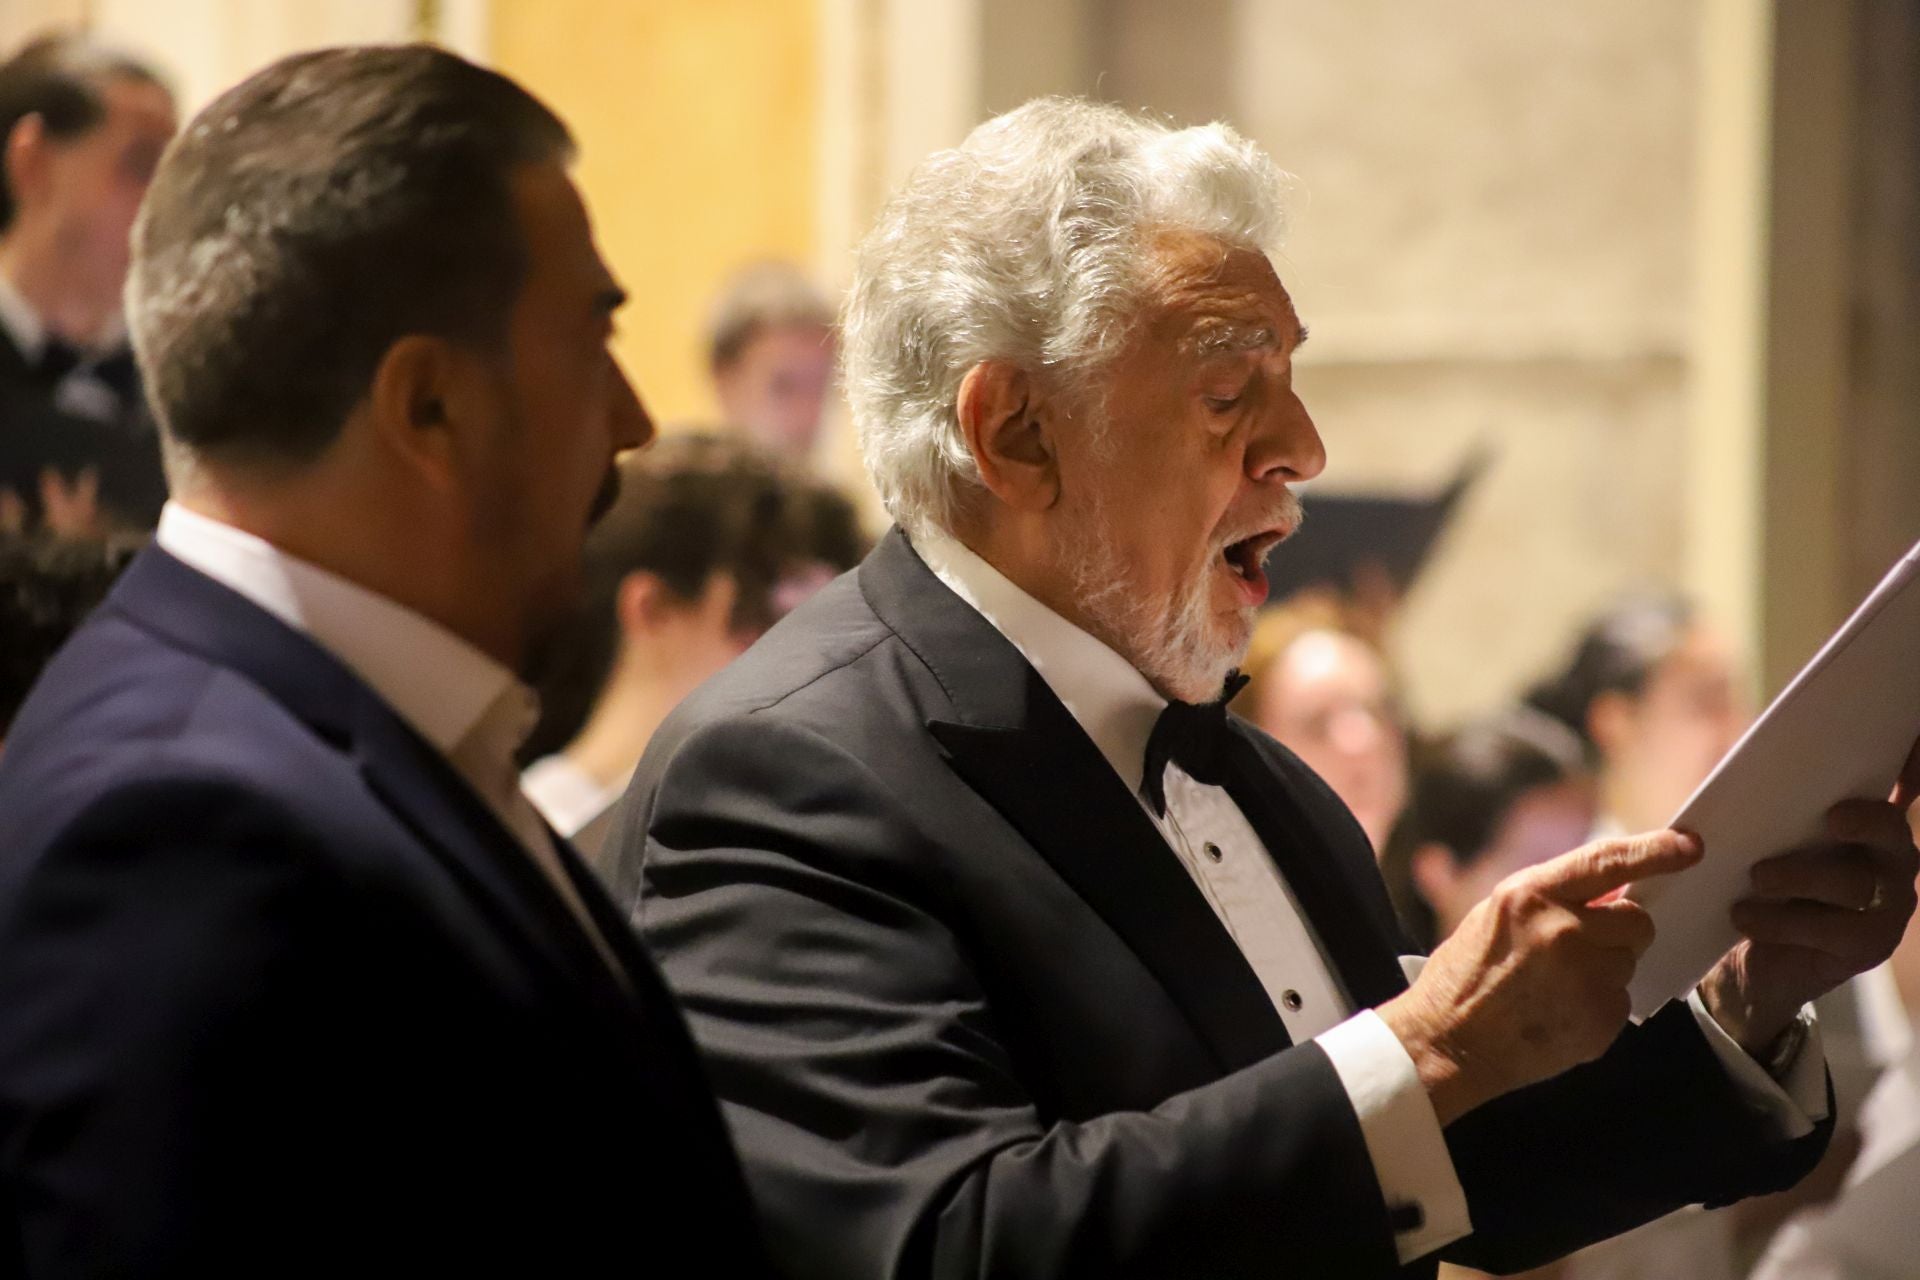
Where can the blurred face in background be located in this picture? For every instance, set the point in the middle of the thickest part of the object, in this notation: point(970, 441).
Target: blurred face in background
point(1328, 700)
point(776, 388)
point(1656, 747)
point(77, 196)
point(681, 642)
point(677, 643)
point(1543, 822)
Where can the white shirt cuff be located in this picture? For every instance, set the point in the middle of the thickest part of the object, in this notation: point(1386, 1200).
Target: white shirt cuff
point(1793, 1103)
point(1425, 1201)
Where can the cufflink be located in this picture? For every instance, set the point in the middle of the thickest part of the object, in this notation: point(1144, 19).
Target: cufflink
point(1406, 1216)
point(1787, 1045)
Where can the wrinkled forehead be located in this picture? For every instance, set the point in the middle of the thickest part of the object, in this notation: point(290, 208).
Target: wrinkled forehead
point(1210, 297)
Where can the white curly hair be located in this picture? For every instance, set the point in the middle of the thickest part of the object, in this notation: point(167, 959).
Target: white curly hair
point(1025, 244)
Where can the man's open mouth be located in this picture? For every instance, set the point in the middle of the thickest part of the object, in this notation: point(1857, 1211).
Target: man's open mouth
point(1247, 556)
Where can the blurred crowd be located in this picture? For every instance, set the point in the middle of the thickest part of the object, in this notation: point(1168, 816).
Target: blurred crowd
point(721, 529)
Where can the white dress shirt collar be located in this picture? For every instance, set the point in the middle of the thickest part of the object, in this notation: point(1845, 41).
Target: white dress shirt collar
point(567, 796)
point(21, 321)
point(1111, 700)
point(438, 683)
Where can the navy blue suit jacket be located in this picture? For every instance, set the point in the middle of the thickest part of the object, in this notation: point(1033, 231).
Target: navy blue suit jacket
point(278, 994)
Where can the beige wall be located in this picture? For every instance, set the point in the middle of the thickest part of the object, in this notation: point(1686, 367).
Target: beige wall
point(204, 46)
point(696, 123)
point(20, 19)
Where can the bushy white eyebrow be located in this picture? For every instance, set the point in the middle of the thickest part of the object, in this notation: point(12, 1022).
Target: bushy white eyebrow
point(1225, 338)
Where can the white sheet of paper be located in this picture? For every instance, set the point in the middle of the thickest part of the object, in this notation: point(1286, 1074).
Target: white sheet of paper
point(1841, 729)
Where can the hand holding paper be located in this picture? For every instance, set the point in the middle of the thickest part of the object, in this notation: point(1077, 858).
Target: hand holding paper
point(1816, 917)
point(1840, 731)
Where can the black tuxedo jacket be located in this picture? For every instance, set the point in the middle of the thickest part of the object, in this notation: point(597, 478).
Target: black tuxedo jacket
point(969, 1016)
point(37, 435)
point(279, 995)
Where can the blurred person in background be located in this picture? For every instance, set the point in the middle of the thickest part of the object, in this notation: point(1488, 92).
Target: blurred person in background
point(771, 353)
point(710, 541)
point(81, 129)
point(1655, 692)
point(293, 980)
point(47, 588)
point(1502, 793)
point(1319, 685)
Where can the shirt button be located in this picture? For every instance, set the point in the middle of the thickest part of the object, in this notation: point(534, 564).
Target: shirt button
point(1292, 1000)
point(1213, 851)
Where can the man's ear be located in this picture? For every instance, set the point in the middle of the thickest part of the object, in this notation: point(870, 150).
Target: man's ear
point(1610, 720)
point(639, 603)
point(426, 396)
point(1009, 431)
point(24, 155)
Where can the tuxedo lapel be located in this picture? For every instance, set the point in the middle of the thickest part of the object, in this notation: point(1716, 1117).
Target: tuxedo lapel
point(1013, 742)
point(1052, 789)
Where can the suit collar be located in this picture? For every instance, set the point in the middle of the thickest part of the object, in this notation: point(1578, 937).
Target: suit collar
point(194, 613)
point(982, 674)
point(163, 595)
point(1105, 694)
point(439, 684)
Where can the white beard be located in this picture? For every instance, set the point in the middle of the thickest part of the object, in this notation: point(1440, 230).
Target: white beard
point(1176, 644)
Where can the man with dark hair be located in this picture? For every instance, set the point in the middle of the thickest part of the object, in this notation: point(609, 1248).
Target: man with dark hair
point(710, 542)
point(81, 128)
point(292, 978)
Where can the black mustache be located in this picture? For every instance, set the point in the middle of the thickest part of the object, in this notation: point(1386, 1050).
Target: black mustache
point(609, 494)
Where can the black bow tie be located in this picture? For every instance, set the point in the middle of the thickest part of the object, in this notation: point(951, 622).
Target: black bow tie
point(1188, 734)
point(57, 360)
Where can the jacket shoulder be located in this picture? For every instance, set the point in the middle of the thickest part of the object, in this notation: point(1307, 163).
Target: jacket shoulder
point(127, 737)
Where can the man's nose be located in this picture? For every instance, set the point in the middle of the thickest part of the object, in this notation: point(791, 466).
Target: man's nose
point(632, 426)
point(1286, 446)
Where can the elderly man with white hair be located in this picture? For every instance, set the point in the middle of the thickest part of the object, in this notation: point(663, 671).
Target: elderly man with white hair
point(1011, 954)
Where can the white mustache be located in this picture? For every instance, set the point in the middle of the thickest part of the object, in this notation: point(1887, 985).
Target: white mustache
point(1287, 515)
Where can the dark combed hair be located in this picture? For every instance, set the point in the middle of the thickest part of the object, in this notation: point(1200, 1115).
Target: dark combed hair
point(691, 506)
point(312, 216)
point(47, 587)
point(1464, 785)
point(59, 77)
point(1617, 652)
